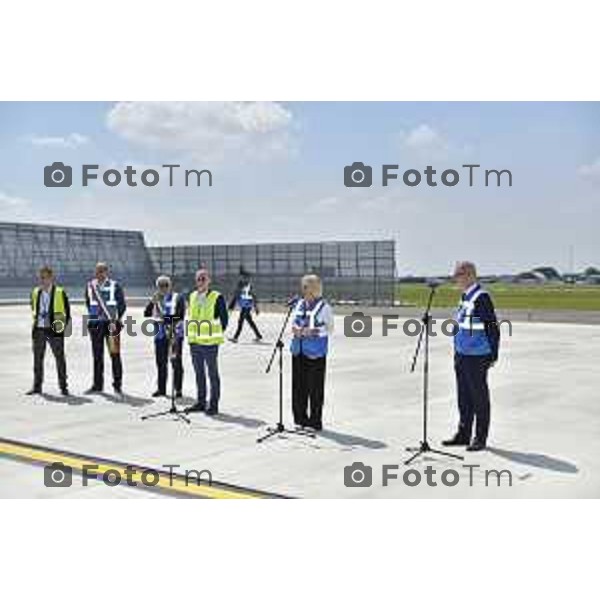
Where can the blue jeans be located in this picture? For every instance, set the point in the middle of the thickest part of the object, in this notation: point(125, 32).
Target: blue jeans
point(204, 359)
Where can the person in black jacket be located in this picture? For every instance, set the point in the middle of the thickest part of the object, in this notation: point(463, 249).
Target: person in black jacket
point(105, 303)
point(51, 314)
point(245, 298)
point(167, 308)
point(476, 346)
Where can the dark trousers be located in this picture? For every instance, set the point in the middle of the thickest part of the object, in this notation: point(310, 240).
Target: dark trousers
point(205, 360)
point(161, 351)
point(99, 334)
point(473, 395)
point(246, 315)
point(41, 338)
point(308, 390)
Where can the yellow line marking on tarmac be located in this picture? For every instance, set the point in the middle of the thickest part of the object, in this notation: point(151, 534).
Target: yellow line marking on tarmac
point(175, 484)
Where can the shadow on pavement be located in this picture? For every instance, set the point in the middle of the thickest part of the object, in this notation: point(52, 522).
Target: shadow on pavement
point(239, 420)
point(346, 439)
point(70, 400)
point(135, 401)
point(542, 461)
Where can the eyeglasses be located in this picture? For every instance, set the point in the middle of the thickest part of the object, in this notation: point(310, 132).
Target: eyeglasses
point(201, 278)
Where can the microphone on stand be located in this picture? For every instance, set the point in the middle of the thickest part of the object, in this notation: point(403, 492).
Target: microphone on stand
point(292, 300)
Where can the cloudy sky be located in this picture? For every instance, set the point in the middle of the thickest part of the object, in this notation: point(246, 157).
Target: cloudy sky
point(278, 175)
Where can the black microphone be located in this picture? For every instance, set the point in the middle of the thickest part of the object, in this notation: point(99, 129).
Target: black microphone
point(292, 301)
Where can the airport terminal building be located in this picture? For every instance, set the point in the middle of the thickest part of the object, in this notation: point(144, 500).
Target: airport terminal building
point(352, 271)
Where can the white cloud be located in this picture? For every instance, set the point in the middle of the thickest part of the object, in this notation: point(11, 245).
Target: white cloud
point(425, 140)
point(14, 208)
point(70, 141)
point(591, 171)
point(8, 201)
point(206, 130)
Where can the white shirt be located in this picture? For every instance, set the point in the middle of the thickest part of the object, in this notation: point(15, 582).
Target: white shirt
point(43, 315)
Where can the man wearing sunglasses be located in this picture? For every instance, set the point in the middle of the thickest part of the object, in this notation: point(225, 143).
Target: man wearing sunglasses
point(206, 324)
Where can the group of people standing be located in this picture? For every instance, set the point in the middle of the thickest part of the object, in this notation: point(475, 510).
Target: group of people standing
point(201, 318)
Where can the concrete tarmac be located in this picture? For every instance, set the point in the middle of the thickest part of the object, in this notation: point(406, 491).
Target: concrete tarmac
point(545, 417)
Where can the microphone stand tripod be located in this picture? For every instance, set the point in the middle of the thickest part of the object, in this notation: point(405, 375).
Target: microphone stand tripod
point(173, 410)
point(279, 427)
point(424, 445)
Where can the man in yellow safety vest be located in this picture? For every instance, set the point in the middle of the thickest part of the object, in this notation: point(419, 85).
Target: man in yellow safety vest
point(205, 327)
point(51, 315)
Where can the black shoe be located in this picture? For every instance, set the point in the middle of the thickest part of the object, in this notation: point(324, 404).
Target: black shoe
point(476, 446)
point(178, 394)
point(118, 390)
point(198, 407)
point(158, 394)
point(212, 411)
point(65, 391)
point(93, 390)
point(457, 440)
point(34, 392)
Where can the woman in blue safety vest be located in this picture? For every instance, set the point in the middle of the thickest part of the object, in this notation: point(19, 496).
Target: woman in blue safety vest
point(312, 324)
point(167, 308)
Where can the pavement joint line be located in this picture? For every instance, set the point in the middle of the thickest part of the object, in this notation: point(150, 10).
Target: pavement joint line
point(173, 485)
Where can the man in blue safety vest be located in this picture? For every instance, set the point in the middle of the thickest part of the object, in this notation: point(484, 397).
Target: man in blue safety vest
point(106, 306)
point(476, 345)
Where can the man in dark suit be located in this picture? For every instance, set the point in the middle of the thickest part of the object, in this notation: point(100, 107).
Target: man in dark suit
point(51, 316)
point(105, 302)
point(476, 346)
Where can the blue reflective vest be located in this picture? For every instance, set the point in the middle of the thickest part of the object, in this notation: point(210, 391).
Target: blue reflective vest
point(168, 307)
point(245, 299)
point(102, 299)
point(471, 338)
point(308, 315)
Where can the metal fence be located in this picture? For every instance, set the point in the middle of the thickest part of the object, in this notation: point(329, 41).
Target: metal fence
point(361, 272)
point(72, 252)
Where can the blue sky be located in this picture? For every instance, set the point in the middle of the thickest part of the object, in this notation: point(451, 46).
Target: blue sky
point(278, 175)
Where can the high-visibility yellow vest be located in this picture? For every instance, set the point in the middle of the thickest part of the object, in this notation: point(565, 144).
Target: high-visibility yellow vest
point(58, 308)
point(202, 327)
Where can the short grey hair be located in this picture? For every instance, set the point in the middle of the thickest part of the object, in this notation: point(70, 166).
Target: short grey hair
point(313, 282)
point(467, 266)
point(163, 279)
